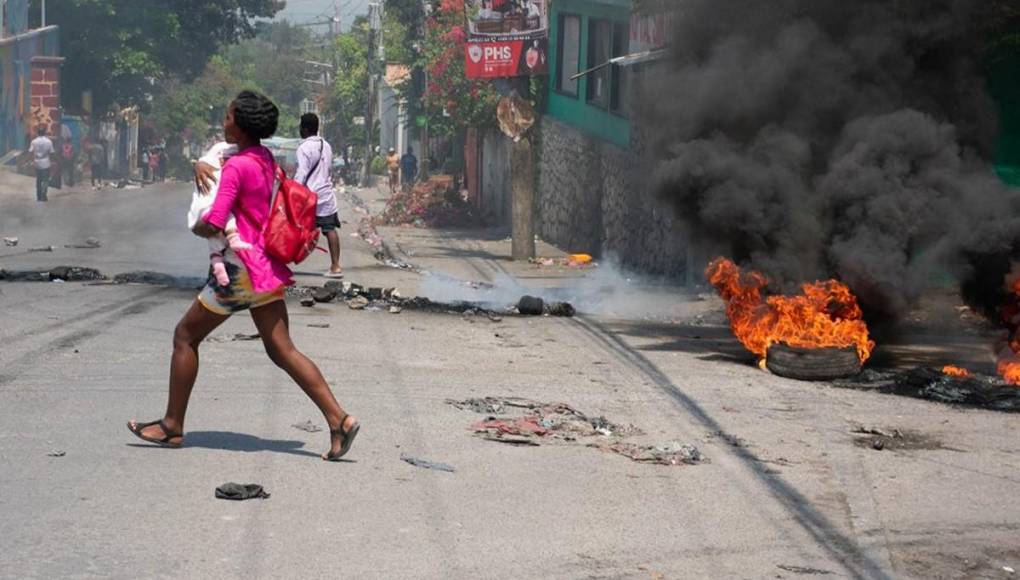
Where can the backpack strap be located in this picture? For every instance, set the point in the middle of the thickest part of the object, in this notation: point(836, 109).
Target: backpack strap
point(322, 144)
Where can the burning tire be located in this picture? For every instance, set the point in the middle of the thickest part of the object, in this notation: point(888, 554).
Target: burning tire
point(813, 364)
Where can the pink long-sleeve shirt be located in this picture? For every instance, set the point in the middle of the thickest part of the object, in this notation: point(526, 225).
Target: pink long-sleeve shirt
point(246, 188)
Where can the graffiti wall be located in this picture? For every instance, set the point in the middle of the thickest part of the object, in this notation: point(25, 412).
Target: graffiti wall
point(16, 111)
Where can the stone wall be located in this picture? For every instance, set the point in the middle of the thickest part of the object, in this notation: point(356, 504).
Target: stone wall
point(594, 197)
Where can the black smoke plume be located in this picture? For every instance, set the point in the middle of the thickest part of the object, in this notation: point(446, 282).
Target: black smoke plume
point(834, 138)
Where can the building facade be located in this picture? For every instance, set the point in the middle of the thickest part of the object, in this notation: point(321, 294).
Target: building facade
point(593, 194)
point(30, 76)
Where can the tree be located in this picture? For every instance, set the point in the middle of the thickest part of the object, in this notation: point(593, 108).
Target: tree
point(121, 49)
point(348, 97)
point(453, 101)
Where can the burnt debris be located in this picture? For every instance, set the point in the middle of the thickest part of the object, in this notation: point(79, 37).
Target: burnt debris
point(977, 391)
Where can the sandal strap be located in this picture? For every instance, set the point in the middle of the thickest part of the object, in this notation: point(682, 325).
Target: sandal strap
point(167, 434)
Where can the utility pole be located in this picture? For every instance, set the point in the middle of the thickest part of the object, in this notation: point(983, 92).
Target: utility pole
point(423, 161)
point(374, 23)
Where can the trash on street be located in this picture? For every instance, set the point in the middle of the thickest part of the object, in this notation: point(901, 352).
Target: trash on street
point(241, 491)
point(426, 464)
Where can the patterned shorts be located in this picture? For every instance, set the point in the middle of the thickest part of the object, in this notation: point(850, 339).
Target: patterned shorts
point(236, 296)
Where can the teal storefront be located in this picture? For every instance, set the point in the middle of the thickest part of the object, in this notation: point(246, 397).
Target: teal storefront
point(1004, 85)
point(584, 34)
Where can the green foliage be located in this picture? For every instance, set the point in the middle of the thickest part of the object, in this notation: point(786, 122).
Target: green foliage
point(453, 101)
point(117, 48)
point(378, 165)
point(348, 96)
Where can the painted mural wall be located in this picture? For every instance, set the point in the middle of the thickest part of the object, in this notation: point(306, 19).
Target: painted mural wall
point(16, 53)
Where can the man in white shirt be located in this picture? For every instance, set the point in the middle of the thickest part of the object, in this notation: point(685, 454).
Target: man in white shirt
point(42, 151)
point(314, 160)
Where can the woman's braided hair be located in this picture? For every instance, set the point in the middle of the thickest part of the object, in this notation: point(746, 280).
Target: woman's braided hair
point(255, 114)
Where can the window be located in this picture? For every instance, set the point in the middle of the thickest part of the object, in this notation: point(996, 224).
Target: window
point(607, 86)
point(569, 53)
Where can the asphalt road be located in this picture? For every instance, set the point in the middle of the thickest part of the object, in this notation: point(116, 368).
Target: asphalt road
point(784, 492)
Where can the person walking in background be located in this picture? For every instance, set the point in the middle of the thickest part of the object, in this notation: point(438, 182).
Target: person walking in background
point(314, 158)
point(256, 283)
point(145, 165)
point(409, 167)
point(67, 162)
point(393, 167)
point(154, 164)
point(42, 153)
point(97, 164)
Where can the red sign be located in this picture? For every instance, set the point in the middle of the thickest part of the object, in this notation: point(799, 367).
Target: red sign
point(506, 38)
point(490, 60)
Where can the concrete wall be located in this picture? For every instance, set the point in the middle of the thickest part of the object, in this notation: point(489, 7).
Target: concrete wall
point(17, 110)
point(593, 198)
point(494, 161)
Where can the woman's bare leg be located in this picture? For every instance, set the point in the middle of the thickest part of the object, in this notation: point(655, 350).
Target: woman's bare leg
point(196, 324)
point(274, 327)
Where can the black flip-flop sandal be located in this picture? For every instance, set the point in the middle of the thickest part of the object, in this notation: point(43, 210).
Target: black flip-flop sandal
point(164, 441)
point(348, 436)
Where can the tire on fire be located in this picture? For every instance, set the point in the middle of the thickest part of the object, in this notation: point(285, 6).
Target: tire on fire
point(813, 364)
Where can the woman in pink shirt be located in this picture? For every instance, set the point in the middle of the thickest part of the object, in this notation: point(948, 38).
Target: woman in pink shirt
point(257, 282)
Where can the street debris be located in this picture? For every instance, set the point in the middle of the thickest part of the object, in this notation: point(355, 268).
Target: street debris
point(10, 241)
point(880, 439)
point(579, 259)
point(672, 454)
point(238, 337)
point(42, 249)
point(75, 274)
point(90, 244)
point(308, 302)
point(60, 273)
point(324, 294)
point(531, 306)
point(157, 279)
point(241, 491)
point(396, 310)
point(433, 204)
point(523, 422)
point(318, 325)
point(976, 390)
point(357, 302)
point(534, 306)
point(307, 426)
point(25, 275)
point(57, 453)
point(803, 570)
point(426, 464)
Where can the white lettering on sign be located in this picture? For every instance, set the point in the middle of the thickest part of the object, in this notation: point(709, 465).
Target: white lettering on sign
point(498, 53)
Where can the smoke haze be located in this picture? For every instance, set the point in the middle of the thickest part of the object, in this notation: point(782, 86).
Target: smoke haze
point(819, 138)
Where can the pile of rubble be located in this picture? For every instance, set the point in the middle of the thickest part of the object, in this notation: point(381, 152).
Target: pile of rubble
point(434, 203)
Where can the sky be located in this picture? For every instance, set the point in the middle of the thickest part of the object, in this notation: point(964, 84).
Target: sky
point(300, 11)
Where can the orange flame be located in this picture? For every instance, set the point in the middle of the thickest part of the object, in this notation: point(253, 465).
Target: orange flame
point(826, 315)
point(955, 371)
point(1009, 358)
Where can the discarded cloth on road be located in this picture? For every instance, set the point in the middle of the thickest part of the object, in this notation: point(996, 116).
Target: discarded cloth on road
point(523, 422)
point(672, 454)
point(239, 491)
point(537, 421)
point(426, 464)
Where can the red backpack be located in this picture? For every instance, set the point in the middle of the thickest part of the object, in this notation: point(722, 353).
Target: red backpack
point(290, 235)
